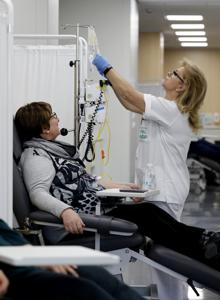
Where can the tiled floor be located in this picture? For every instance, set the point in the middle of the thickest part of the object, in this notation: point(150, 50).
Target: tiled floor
point(204, 211)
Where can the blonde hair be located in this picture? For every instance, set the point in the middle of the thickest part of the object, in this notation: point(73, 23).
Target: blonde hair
point(191, 100)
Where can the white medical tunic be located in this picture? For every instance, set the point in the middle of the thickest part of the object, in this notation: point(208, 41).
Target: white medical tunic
point(164, 139)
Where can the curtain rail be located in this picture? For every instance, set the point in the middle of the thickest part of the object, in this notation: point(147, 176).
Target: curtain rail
point(45, 36)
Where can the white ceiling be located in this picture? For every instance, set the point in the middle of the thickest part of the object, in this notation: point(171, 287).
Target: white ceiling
point(152, 19)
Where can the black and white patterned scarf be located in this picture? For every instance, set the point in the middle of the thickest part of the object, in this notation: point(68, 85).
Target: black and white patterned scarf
point(71, 184)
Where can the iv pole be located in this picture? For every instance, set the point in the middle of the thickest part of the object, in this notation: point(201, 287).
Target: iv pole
point(76, 90)
point(76, 84)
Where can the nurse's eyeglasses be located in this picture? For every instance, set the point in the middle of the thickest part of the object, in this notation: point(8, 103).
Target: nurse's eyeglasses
point(53, 116)
point(170, 74)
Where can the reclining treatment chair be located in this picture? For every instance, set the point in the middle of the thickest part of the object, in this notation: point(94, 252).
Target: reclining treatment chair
point(204, 164)
point(118, 236)
point(27, 216)
point(101, 232)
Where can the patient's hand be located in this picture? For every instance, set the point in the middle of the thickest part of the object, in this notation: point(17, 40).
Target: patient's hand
point(137, 200)
point(63, 269)
point(4, 283)
point(118, 185)
point(72, 221)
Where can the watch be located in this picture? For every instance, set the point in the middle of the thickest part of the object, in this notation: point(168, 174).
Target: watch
point(107, 69)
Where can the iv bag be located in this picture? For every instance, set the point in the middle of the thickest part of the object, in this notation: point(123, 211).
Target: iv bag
point(93, 47)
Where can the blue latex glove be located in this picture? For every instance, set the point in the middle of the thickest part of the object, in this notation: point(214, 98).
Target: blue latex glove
point(101, 64)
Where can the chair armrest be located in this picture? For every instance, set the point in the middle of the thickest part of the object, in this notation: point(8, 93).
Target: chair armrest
point(101, 224)
point(109, 225)
point(41, 217)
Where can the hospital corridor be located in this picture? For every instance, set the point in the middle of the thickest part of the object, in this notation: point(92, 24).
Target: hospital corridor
point(110, 150)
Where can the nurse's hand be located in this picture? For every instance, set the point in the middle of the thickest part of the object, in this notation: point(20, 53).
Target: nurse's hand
point(107, 184)
point(72, 221)
point(101, 64)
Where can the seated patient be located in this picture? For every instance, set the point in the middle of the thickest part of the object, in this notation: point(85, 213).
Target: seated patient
point(57, 182)
point(57, 282)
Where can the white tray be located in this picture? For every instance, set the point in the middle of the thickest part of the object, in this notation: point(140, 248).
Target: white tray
point(49, 255)
point(117, 193)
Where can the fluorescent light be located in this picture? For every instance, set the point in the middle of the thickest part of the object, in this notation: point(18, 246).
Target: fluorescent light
point(194, 44)
point(184, 17)
point(192, 39)
point(190, 33)
point(187, 26)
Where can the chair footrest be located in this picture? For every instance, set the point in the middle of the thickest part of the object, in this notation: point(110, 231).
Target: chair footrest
point(186, 266)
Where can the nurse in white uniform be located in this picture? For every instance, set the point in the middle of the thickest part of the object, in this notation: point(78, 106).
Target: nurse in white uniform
point(165, 132)
point(162, 145)
point(164, 139)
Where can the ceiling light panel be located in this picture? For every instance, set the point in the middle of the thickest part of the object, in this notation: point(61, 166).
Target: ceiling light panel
point(192, 39)
point(190, 33)
point(184, 17)
point(187, 26)
point(185, 44)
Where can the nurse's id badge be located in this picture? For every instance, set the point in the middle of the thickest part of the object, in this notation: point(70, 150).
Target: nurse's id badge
point(143, 133)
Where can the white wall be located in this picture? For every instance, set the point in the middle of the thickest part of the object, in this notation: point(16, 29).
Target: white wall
point(134, 118)
point(116, 25)
point(6, 27)
point(36, 16)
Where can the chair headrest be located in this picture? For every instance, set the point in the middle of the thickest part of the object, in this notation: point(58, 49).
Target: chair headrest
point(17, 146)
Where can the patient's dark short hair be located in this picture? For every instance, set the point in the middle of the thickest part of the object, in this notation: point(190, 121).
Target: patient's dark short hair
point(32, 118)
